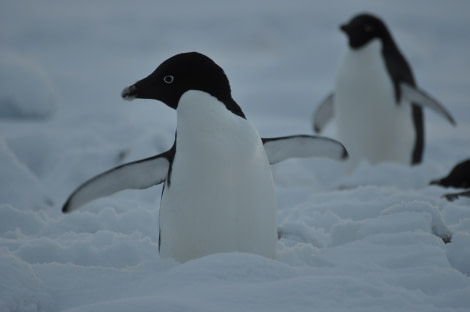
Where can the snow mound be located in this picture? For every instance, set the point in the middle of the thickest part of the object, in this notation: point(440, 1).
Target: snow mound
point(458, 252)
point(437, 225)
point(20, 187)
point(25, 89)
point(20, 288)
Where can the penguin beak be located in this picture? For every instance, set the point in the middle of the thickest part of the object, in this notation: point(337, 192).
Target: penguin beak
point(344, 28)
point(129, 93)
point(142, 89)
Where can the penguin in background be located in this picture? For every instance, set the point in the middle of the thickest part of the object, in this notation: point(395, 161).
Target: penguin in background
point(458, 177)
point(218, 193)
point(376, 102)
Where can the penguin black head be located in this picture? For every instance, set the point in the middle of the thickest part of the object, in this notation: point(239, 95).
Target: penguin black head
point(363, 28)
point(181, 73)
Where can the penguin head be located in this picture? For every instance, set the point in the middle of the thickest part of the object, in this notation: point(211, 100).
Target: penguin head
point(363, 28)
point(181, 73)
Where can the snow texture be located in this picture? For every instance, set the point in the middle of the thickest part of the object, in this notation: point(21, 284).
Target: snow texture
point(373, 240)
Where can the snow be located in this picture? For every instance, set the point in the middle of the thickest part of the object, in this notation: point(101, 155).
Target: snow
point(26, 90)
point(369, 241)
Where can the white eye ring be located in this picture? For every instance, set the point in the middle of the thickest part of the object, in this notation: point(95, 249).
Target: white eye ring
point(168, 79)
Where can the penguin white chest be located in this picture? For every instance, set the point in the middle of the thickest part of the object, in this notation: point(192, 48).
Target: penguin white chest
point(369, 122)
point(220, 194)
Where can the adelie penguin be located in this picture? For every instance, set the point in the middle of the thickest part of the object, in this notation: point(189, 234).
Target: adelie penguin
point(376, 103)
point(458, 177)
point(218, 193)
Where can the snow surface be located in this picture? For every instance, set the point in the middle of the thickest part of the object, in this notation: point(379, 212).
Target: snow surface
point(370, 241)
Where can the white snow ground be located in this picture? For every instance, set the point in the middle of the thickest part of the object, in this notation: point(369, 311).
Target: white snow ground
point(365, 242)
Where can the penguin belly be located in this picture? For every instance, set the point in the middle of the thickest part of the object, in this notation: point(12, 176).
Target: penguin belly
point(220, 194)
point(370, 123)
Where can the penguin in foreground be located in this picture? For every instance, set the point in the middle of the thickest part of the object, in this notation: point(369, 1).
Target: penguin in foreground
point(458, 177)
point(376, 102)
point(218, 193)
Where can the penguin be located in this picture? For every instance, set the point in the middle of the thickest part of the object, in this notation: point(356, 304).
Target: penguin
point(376, 102)
point(218, 192)
point(454, 196)
point(458, 177)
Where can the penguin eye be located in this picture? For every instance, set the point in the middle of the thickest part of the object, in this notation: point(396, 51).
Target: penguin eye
point(168, 79)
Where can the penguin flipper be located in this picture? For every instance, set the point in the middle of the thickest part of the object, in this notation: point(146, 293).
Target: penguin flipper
point(135, 175)
point(423, 99)
point(324, 113)
point(304, 146)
